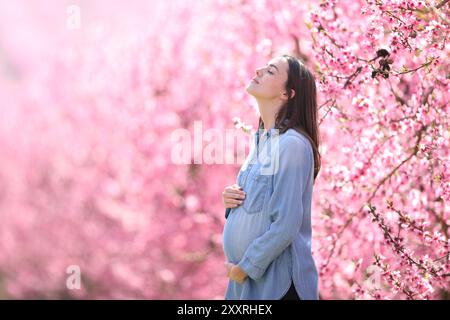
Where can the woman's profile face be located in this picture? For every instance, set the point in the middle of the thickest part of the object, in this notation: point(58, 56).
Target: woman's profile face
point(269, 81)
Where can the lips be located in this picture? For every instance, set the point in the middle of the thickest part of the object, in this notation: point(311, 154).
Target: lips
point(254, 80)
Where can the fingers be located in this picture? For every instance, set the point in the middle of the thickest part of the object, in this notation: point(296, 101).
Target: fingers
point(232, 275)
point(233, 192)
point(232, 203)
point(234, 195)
point(233, 187)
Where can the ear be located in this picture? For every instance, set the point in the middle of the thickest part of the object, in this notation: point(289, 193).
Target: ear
point(292, 93)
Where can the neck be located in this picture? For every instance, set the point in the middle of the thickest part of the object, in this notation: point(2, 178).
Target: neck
point(268, 110)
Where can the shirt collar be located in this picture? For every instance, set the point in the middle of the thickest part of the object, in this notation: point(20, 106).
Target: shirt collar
point(271, 131)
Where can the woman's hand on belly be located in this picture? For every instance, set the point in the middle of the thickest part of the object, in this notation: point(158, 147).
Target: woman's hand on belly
point(233, 196)
point(235, 273)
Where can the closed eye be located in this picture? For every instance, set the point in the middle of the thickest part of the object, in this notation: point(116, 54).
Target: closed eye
point(271, 66)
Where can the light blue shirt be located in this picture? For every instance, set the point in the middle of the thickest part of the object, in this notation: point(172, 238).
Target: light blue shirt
point(269, 234)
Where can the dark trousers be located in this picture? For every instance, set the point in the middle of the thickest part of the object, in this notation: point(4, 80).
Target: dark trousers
point(291, 294)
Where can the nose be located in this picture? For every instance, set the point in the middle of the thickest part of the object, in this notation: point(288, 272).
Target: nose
point(258, 72)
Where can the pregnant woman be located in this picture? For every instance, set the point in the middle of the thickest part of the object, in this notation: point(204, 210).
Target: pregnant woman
point(267, 232)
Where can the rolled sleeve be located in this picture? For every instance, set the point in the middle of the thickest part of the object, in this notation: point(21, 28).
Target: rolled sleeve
point(285, 206)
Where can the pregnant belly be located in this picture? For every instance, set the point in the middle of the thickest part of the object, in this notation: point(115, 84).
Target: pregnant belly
point(240, 230)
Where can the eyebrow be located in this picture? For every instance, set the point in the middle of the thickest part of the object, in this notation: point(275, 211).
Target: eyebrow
point(272, 65)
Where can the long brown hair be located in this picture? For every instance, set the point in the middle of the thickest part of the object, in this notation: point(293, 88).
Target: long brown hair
point(300, 112)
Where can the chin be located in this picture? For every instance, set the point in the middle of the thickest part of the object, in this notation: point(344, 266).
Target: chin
point(249, 89)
